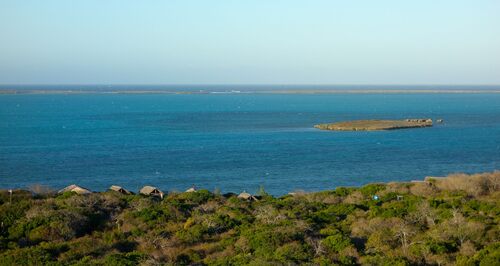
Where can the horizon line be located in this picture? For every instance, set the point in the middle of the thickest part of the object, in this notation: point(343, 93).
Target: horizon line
point(249, 84)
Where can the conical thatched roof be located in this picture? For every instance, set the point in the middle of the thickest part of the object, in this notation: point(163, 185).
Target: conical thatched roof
point(74, 188)
point(246, 196)
point(120, 189)
point(151, 191)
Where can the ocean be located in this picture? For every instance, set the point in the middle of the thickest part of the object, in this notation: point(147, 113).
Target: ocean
point(240, 141)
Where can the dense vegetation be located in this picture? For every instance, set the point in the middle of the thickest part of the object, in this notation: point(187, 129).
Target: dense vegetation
point(438, 222)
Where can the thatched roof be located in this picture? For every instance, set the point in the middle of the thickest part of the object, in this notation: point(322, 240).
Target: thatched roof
point(74, 188)
point(151, 191)
point(246, 196)
point(120, 189)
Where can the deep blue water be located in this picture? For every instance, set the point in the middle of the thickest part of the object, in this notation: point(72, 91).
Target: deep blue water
point(237, 142)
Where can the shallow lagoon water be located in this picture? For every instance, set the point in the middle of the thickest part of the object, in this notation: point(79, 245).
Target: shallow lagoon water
point(238, 142)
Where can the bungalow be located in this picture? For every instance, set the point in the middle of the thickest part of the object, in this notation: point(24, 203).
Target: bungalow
point(120, 190)
point(74, 188)
point(151, 191)
point(246, 196)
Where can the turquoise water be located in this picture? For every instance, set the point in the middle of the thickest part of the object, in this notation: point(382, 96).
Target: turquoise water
point(237, 142)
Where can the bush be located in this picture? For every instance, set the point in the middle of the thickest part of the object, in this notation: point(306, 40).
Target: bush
point(193, 234)
point(128, 259)
point(265, 239)
point(332, 214)
point(26, 256)
point(343, 191)
point(86, 246)
point(336, 242)
point(371, 189)
point(490, 255)
point(383, 260)
point(152, 214)
point(198, 197)
point(475, 185)
point(399, 208)
point(292, 252)
point(47, 225)
point(10, 213)
point(442, 247)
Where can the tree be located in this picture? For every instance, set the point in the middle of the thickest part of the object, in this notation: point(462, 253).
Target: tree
point(261, 191)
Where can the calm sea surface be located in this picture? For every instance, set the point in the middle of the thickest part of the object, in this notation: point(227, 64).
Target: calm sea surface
point(237, 142)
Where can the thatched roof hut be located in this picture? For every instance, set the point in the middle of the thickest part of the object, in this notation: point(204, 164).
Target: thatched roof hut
point(120, 190)
point(74, 188)
point(151, 191)
point(246, 196)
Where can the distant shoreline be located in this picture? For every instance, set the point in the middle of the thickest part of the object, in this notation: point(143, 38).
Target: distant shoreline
point(332, 91)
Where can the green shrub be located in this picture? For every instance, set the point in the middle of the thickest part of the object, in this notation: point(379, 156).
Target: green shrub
point(332, 214)
point(292, 252)
point(50, 225)
point(383, 260)
point(193, 234)
point(347, 260)
point(442, 247)
point(336, 242)
point(490, 255)
point(157, 213)
point(25, 256)
point(11, 213)
point(86, 246)
point(344, 191)
point(198, 197)
point(128, 259)
point(371, 189)
point(264, 240)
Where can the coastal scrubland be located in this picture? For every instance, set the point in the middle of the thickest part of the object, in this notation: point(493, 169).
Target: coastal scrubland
point(440, 221)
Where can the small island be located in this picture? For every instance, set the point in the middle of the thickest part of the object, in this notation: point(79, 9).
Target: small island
point(370, 125)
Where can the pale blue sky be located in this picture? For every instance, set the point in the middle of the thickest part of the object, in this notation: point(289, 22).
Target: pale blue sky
point(250, 42)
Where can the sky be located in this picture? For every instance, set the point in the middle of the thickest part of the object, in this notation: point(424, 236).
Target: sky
point(249, 42)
